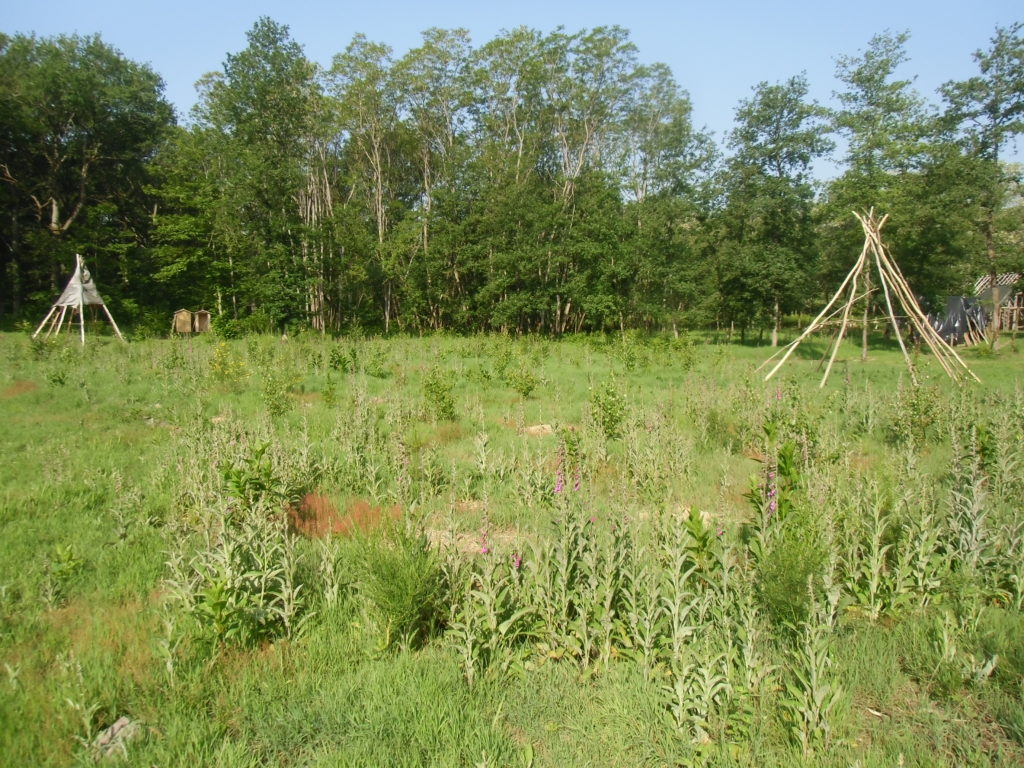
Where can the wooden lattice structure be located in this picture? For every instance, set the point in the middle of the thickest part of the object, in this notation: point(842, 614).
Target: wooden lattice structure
point(1004, 298)
point(875, 255)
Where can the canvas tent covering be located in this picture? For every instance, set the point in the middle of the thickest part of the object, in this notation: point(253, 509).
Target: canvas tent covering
point(963, 322)
point(80, 292)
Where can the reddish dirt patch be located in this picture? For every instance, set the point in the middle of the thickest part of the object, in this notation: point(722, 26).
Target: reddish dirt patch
point(317, 516)
point(19, 388)
point(753, 453)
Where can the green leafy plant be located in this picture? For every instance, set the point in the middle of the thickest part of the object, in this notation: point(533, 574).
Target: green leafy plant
point(522, 380)
point(62, 567)
point(438, 391)
point(252, 482)
point(227, 367)
point(608, 409)
point(275, 392)
point(245, 588)
point(491, 621)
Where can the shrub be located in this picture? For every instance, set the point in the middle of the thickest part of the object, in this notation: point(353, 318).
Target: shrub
point(437, 389)
point(402, 582)
point(794, 556)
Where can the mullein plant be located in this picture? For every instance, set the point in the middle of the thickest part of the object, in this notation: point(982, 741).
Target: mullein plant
point(921, 561)
point(641, 616)
point(599, 591)
point(244, 587)
point(492, 620)
point(697, 688)
point(812, 697)
point(967, 522)
point(680, 593)
point(1007, 474)
point(610, 590)
point(699, 606)
point(656, 456)
point(753, 673)
point(876, 588)
point(556, 580)
point(1012, 564)
point(243, 583)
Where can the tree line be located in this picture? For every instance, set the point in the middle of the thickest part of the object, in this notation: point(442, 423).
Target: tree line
point(545, 183)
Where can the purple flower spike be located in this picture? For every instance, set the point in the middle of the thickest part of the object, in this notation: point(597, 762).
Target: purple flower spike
point(517, 560)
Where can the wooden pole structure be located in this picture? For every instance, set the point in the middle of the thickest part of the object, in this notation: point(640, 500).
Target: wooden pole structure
point(793, 344)
point(893, 284)
point(48, 316)
point(789, 348)
point(895, 325)
point(60, 324)
point(846, 316)
point(110, 317)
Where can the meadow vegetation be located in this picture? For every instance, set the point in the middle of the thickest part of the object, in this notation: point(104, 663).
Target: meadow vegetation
point(605, 550)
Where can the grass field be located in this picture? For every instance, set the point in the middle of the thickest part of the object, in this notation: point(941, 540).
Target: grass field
point(488, 551)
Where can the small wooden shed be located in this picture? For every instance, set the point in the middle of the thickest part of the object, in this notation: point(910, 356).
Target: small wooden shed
point(186, 321)
point(200, 321)
point(182, 322)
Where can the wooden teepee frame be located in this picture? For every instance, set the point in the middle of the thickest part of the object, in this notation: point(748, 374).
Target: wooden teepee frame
point(893, 285)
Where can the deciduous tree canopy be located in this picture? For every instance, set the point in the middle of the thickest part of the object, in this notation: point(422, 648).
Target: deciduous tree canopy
point(548, 182)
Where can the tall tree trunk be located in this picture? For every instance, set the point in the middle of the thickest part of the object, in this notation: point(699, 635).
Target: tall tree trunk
point(993, 271)
point(776, 322)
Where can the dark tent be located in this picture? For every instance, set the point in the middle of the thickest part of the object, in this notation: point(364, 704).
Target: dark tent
point(963, 322)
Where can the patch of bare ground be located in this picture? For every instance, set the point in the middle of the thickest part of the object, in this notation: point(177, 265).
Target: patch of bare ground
point(448, 432)
point(501, 540)
point(317, 516)
point(123, 631)
point(21, 387)
point(538, 430)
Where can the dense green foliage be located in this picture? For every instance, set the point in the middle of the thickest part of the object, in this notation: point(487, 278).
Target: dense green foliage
point(537, 182)
point(395, 552)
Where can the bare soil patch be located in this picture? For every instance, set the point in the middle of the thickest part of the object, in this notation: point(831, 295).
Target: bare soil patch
point(318, 516)
point(19, 388)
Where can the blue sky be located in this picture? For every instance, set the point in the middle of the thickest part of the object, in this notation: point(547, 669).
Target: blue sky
point(718, 51)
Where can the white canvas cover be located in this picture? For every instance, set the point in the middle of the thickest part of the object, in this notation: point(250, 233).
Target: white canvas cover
point(80, 289)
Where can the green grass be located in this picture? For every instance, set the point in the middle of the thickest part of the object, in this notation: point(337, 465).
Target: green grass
point(115, 479)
